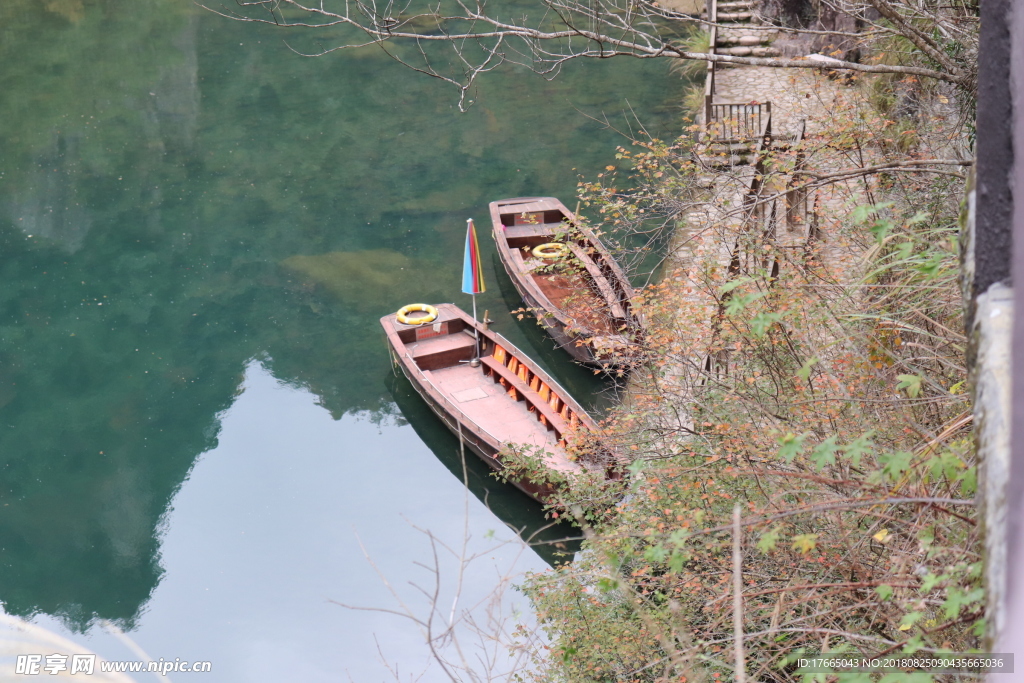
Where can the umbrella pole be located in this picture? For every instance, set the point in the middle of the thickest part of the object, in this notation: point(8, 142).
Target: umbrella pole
point(476, 335)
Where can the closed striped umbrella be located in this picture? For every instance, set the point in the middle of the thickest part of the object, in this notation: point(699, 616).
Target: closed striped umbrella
point(473, 278)
point(472, 267)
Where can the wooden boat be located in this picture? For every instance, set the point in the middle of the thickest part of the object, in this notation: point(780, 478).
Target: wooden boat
point(505, 400)
point(586, 307)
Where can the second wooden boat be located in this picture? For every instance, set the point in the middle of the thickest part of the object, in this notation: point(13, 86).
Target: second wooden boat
point(580, 294)
point(503, 401)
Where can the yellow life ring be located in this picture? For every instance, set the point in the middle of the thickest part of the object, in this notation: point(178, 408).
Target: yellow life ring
point(405, 319)
point(550, 250)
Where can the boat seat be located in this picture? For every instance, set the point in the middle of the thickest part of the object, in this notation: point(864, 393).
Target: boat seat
point(533, 230)
point(445, 351)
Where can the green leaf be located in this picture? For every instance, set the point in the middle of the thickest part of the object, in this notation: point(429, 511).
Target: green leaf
point(862, 213)
point(679, 537)
point(676, 561)
point(804, 372)
point(912, 383)
point(738, 303)
point(790, 446)
point(931, 580)
point(969, 481)
point(825, 453)
point(881, 230)
point(895, 464)
point(768, 539)
point(884, 592)
point(606, 585)
point(805, 542)
point(733, 284)
point(946, 464)
point(918, 217)
point(856, 449)
point(656, 553)
point(956, 600)
point(908, 620)
point(914, 644)
point(762, 322)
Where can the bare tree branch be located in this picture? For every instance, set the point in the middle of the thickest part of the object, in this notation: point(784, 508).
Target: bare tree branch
point(565, 30)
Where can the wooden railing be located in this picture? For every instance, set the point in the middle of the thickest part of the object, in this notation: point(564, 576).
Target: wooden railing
point(738, 121)
point(728, 121)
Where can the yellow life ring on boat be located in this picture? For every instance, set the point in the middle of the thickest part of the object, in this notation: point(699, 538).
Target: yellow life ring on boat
point(550, 250)
point(404, 311)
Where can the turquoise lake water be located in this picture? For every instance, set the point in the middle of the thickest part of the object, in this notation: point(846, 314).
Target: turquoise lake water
point(199, 231)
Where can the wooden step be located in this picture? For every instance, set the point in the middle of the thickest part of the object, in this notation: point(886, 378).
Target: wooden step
point(735, 16)
point(744, 51)
point(732, 148)
point(750, 40)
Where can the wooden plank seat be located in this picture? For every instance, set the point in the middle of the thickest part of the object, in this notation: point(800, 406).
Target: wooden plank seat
point(555, 421)
point(533, 230)
point(533, 205)
point(440, 352)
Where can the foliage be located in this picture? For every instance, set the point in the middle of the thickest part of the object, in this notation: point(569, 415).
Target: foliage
point(811, 374)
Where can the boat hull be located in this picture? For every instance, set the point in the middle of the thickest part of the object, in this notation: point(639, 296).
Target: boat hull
point(607, 343)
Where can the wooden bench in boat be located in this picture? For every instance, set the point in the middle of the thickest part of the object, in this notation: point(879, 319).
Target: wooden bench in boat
point(554, 420)
point(531, 205)
point(442, 352)
point(533, 230)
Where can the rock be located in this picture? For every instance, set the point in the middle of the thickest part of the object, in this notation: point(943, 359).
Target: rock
point(749, 40)
point(739, 51)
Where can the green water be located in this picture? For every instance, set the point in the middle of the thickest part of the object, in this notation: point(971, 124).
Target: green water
point(183, 203)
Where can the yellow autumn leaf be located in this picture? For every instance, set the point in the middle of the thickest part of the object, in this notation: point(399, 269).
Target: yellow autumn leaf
point(906, 627)
point(805, 542)
point(881, 535)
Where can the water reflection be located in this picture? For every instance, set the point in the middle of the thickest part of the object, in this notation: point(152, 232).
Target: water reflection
point(181, 195)
point(554, 542)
